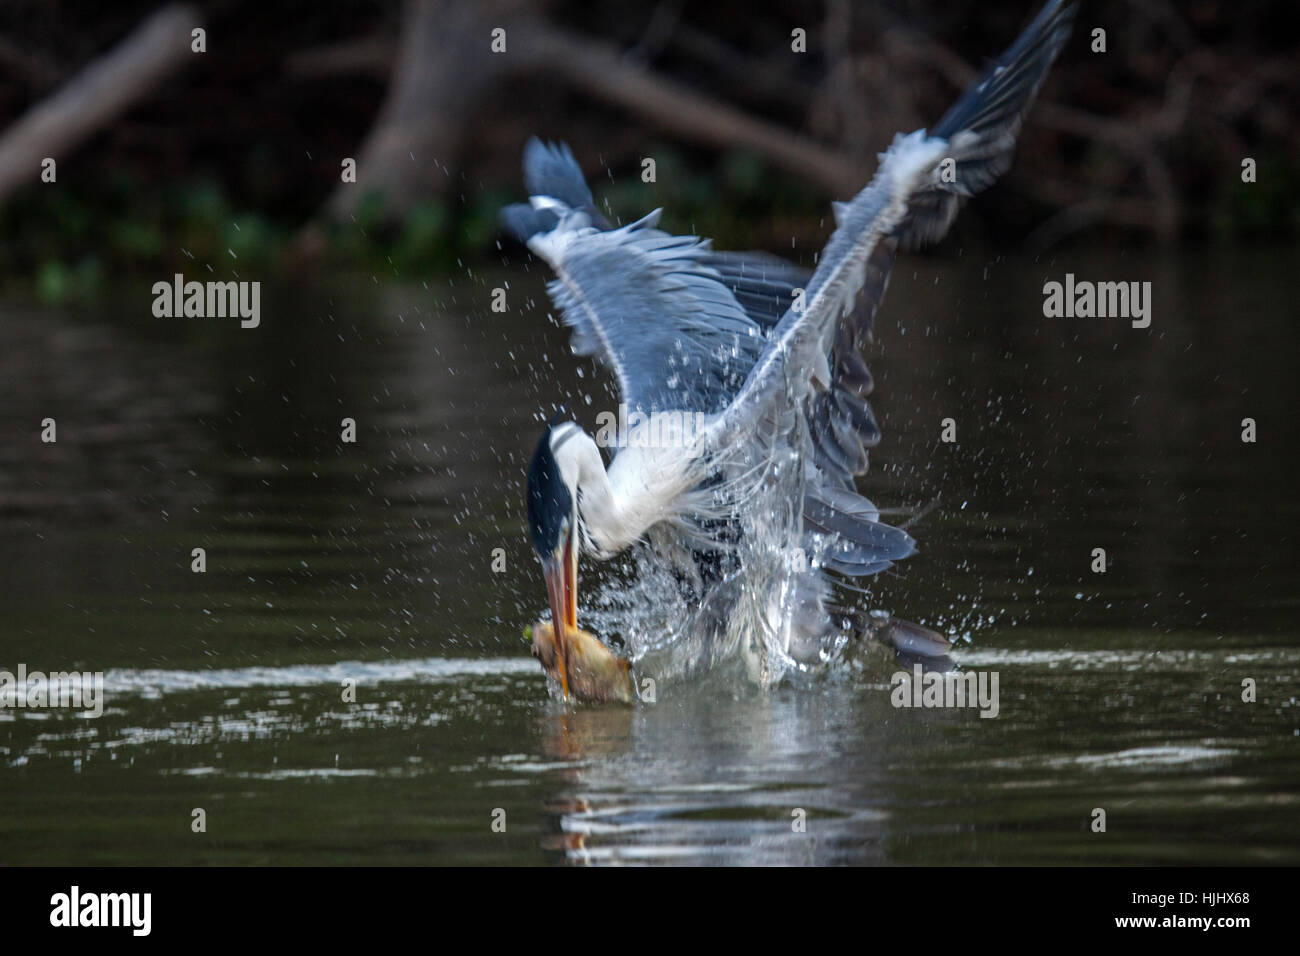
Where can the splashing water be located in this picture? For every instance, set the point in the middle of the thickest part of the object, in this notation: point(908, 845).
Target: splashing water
point(768, 600)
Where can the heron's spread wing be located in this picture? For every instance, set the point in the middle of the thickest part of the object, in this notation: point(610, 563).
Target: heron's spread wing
point(982, 126)
point(840, 421)
point(647, 305)
point(913, 198)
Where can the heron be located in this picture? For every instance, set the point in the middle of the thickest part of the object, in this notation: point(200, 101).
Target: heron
point(763, 361)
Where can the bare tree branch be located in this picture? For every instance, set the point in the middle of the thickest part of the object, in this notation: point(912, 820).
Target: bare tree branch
point(96, 96)
point(598, 69)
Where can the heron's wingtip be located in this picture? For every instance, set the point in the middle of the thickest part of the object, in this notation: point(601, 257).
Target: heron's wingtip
point(521, 221)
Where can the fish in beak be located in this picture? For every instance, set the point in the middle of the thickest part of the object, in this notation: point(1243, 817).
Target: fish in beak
point(594, 672)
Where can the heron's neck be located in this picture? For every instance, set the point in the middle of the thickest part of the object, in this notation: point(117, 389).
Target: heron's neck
point(642, 487)
point(599, 504)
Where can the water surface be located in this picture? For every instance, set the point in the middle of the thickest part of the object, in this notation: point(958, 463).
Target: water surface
point(372, 562)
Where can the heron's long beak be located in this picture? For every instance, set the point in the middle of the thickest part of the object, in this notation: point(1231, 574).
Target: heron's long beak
point(561, 574)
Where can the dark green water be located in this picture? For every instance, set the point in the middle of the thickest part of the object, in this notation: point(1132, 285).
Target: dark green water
point(373, 561)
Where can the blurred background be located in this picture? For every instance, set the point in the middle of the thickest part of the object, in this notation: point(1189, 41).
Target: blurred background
point(237, 151)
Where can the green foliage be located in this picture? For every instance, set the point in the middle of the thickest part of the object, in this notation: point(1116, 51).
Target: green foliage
point(478, 227)
point(1266, 208)
point(60, 242)
point(423, 239)
point(58, 283)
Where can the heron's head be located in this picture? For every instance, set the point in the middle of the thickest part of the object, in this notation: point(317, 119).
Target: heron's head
point(553, 525)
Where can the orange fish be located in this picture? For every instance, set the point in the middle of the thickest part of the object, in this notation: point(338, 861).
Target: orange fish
point(594, 672)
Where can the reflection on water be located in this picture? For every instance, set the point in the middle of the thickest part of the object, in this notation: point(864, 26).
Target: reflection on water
point(332, 565)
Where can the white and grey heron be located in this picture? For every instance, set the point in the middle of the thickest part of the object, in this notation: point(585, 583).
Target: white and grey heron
point(766, 358)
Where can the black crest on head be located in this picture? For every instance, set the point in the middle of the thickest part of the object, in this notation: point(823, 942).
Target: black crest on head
point(549, 501)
